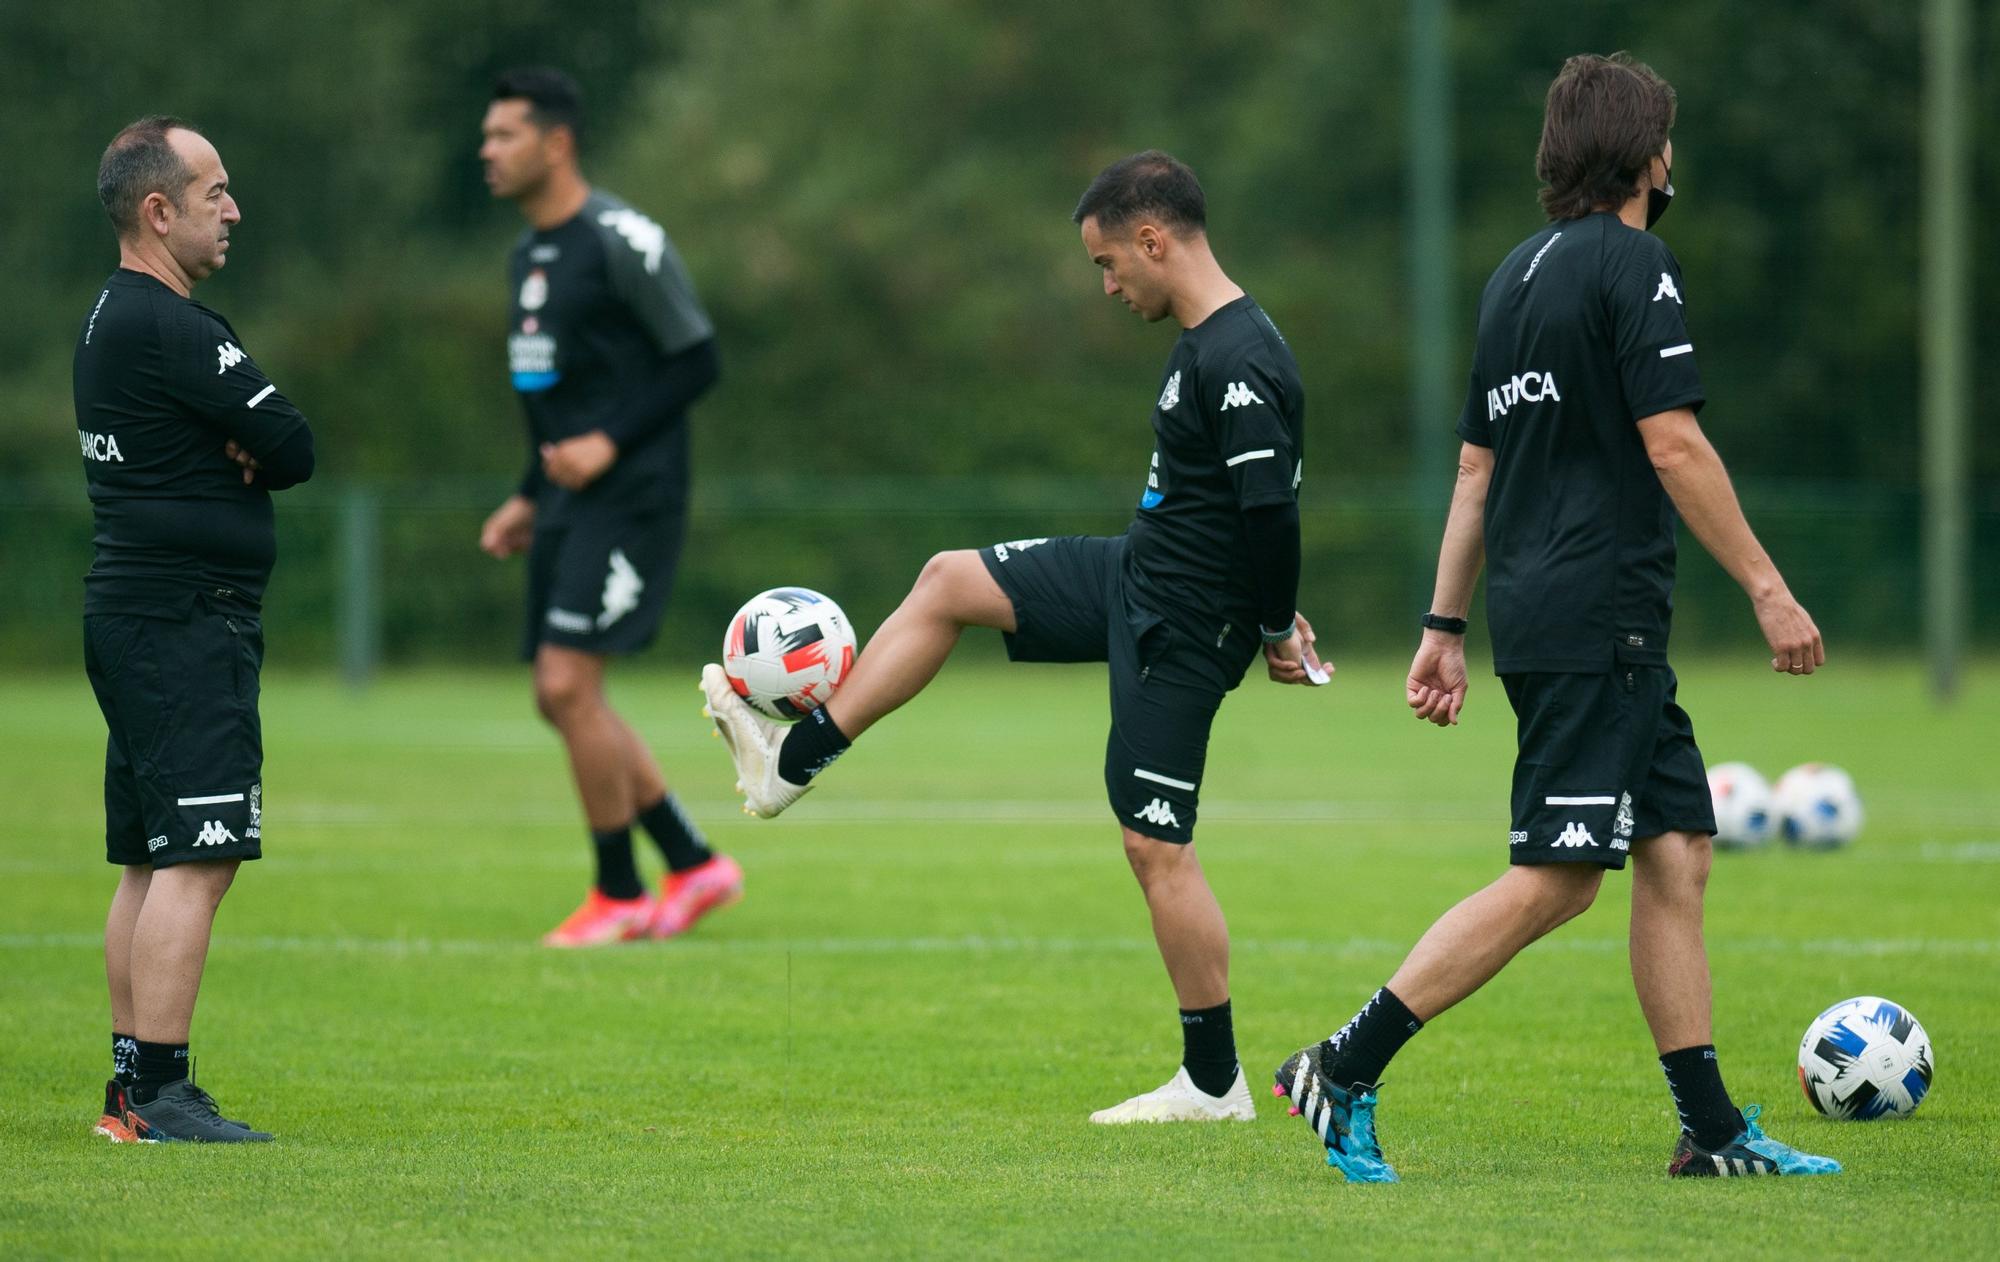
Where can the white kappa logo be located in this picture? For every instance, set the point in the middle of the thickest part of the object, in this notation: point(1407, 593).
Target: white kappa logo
point(641, 233)
point(1575, 837)
point(227, 356)
point(214, 834)
point(621, 590)
point(1238, 395)
point(1172, 394)
point(1667, 290)
point(1001, 551)
point(1158, 812)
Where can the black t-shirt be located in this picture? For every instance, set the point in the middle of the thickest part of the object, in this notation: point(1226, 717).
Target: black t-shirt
point(1581, 335)
point(1229, 433)
point(162, 383)
point(599, 301)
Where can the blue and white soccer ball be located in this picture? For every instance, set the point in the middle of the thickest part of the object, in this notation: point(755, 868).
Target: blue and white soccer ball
point(1865, 1059)
point(1816, 806)
point(1743, 819)
point(786, 651)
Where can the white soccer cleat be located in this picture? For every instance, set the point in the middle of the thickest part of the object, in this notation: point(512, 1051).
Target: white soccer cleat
point(753, 742)
point(1181, 1101)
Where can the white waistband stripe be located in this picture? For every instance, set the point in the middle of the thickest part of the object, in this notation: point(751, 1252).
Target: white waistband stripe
point(210, 800)
point(1157, 778)
point(1591, 801)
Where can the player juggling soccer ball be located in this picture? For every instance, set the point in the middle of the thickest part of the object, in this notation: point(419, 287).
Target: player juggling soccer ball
point(1177, 607)
point(1580, 442)
point(608, 347)
point(183, 439)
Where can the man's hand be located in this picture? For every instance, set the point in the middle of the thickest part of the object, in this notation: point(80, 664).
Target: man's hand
point(242, 457)
point(574, 463)
point(1293, 661)
point(1794, 640)
point(1436, 686)
point(509, 529)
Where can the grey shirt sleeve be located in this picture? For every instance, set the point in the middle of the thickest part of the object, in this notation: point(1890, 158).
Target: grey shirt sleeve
point(647, 273)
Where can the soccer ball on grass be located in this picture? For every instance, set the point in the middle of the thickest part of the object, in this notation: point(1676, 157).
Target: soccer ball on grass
point(1742, 806)
point(1864, 1059)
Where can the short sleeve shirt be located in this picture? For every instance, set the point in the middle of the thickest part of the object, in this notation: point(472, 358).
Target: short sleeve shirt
point(598, 302)
point(1582, 334)
point(162, 385)
point(1229, 434)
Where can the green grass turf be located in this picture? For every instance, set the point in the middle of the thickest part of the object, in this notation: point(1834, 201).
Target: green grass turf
point(942, 966)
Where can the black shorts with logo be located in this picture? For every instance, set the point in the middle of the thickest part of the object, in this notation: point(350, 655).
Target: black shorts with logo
point(598, 582)
point(1072, 604)
point(184, 761)
point(1605, 759)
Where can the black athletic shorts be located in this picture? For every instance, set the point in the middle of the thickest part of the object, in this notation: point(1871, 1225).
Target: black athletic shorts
point(1072, 604)
point(184, 763)
point(598, 582)
point(1604, 759)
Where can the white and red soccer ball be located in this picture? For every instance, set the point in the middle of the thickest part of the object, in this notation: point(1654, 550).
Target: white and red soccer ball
point(786, 651)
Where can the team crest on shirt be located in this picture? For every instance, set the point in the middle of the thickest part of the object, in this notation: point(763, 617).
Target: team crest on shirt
point(1172, 394)
point(535, 290)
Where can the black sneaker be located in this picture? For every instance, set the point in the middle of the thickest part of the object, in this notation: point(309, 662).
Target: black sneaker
point(184, 1113)
point(1750, 1153)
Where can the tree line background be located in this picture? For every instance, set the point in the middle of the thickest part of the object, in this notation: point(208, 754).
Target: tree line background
point(873, 196)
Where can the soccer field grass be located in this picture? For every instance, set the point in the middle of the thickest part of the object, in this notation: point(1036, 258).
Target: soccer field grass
point(942, 966)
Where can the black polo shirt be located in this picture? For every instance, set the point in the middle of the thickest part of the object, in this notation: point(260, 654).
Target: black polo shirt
point(1582, 333)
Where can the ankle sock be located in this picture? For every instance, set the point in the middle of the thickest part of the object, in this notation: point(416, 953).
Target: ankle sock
point(124, 1057)
point(1208, 1047)
point(810, 747)
point(1694, 1077)
point(159, 1065)
point(1360, 1050)
point(681, 843)
point(617, 872)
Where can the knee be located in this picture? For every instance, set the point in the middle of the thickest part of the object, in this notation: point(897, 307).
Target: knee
point(1152, 859)
point(1567, 891)
point(942, 579)
point(561, 692)
point(1673, 866)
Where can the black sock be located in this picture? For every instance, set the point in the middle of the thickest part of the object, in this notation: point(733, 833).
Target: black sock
point(617, 873)
point(1362, 1049)
point(810, 747)
point(1695, 1079)
point(1208, 1048)
point(680, 842)
point(124, 1057)
point(158, 1065)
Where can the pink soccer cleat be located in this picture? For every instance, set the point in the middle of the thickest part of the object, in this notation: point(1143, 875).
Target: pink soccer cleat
point(685, 897)
point(602, 920)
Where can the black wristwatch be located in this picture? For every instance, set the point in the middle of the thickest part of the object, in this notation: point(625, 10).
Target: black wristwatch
point(1438, 622)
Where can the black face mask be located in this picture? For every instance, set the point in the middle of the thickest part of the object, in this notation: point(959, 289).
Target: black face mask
point(1658, 198)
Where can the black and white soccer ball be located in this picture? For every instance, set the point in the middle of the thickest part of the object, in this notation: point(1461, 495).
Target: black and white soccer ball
point(786, 651)
point(1865, 1059)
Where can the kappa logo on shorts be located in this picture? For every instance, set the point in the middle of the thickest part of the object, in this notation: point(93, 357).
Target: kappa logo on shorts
point(1519, 837)
point(214, 834)
point(1001, 551)
point(155, 843)
point(1575, 836)
point(1158, 812)
point(621, 590)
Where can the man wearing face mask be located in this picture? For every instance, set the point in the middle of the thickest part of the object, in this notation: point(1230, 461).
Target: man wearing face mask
point(1580, 442)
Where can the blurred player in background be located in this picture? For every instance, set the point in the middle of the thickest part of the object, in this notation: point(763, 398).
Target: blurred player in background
point(608, 347)
point(1178, 606)
point(1580, 442)
point(183, 440)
